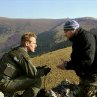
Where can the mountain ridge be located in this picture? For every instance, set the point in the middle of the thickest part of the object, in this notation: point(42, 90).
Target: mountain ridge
point(49, 31)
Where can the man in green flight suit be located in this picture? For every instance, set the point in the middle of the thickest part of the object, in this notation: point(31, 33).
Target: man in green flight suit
point(17, 71)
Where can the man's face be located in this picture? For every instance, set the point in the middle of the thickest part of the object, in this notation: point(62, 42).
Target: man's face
point(69, 33)
point(31, 45)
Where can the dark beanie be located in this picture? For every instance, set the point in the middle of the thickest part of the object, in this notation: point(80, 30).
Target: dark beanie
point(71, 24)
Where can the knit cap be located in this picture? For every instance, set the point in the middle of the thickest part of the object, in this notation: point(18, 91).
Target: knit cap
point(71, 25)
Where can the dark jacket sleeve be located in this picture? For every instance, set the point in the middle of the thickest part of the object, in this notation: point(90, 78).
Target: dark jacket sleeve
point(85, 57)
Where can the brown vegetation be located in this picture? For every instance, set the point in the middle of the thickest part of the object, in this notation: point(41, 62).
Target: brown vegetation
point(56, 75)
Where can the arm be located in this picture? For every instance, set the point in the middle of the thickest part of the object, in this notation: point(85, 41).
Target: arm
point(84, 61)
point(30, 70)
point(26, 65)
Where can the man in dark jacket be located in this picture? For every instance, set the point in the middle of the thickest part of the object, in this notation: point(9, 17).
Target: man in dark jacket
point(83, 58)
point(17, 71)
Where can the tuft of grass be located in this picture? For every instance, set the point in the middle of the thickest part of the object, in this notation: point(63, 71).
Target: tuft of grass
point(52, 59)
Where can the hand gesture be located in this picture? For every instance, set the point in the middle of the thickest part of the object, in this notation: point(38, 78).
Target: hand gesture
point(46, 70)
point(62, 65)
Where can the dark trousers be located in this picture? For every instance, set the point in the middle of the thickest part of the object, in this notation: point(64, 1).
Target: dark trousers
point(88, 87)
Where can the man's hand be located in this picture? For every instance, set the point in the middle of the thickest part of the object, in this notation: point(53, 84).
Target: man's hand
point(43, 70)
point(62, 65)
point(46, 70)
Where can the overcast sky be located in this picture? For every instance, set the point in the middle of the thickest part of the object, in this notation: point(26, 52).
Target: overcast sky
point(55, 9)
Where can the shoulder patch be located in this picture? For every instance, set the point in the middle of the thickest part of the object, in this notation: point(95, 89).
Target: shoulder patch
point(16, 59)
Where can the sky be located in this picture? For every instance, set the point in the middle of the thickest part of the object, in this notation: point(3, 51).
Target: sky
point(53, 9)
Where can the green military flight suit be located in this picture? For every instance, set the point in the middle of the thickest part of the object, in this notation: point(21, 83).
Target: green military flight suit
point(20, 73)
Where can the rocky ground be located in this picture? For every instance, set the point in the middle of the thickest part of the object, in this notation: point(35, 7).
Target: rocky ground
point(66, 89)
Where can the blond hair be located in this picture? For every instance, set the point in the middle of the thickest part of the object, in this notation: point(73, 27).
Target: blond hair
point(26, 37)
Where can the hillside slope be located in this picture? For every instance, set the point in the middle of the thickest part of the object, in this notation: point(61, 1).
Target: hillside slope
point(56, 75)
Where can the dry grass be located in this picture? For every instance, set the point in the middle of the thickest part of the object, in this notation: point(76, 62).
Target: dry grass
point(56, 75)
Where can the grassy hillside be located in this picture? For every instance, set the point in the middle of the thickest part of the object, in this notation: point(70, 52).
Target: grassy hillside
point(56, 75)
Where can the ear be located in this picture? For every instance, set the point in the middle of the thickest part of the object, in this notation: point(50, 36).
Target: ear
point(26, 43)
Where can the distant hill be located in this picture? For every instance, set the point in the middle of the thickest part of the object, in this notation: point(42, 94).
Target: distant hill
point(49, 31)
point(54, 39)
point(10, 28)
